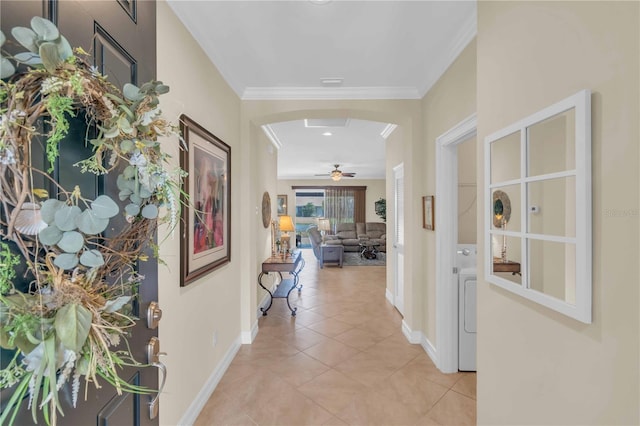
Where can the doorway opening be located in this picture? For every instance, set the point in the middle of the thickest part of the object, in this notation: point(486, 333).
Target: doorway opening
point(448, 261)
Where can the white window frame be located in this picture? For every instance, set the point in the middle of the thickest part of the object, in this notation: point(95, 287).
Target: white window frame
point(581, 310)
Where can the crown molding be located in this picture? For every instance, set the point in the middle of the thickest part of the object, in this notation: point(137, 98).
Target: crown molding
point(332, 93)
point(217, 60)
point(465, 36)
point(266, 128)
point(388, 130)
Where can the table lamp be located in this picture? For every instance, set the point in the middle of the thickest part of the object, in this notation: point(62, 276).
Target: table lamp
point(286, 226)
point(323, 226)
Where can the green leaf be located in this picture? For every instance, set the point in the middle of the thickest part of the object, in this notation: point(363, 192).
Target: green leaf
point(6, 68)
point(72, 324)
point(124, 194)
point(50, 235)
point(71, 242)
point(135, 199)
point(127, 146)
point(92, 258)
point(150, 211)
point(66, 261)
point(65, 217)
point(125, 126)
point(26, 37)
point(64, 48)
point(49, 208)
point(90, 224)
point(132, 209)
point(111, 133)
point(104, 207)
point(50, 56)
point(117, 304)
point(144, 193)
point(162, 89)
point(29, 58)
point(127, 111)
point(44, 28)
point(23, 344)
point(2, 38)
point(4, 340)
point(129, 172)
point(131, 92)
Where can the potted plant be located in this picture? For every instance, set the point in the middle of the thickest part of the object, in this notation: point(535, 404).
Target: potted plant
point(381, 208)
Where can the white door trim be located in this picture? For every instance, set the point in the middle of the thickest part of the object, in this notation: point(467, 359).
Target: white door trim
point(398, 243)
point(446, 230)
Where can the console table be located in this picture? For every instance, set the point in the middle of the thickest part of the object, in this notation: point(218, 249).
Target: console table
point(292, 264)
point(508, 266)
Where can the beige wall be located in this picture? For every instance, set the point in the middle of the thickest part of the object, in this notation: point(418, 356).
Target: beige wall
point(375, 190)
point(192, 314)
point(450, 100)
point(537, 366)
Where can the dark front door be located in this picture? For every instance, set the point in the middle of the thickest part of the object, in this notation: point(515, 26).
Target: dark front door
point(120, 36)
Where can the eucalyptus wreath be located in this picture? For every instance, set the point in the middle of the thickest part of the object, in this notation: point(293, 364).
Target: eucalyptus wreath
point(70, 323)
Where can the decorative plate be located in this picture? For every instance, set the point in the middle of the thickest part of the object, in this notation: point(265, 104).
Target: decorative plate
point(266, 210)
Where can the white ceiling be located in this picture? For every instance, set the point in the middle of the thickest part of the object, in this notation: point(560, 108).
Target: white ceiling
point(283, 49)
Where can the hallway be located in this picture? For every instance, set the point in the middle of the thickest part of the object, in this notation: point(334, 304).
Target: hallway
point(342, 360)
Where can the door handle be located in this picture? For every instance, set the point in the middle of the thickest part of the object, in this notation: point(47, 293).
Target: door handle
point(154, 315)
point(153, 358)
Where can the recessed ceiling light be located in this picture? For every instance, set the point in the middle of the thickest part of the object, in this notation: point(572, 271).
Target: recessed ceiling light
point(327, 134)
point(319, 1)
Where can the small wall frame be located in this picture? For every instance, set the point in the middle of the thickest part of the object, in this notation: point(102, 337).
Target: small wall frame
point(282, 205)
point(428, 218)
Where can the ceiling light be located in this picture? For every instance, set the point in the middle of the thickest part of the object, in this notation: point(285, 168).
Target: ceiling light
point(327, 134)
point(336, 175)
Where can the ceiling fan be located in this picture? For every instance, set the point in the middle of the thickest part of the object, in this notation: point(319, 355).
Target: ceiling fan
point(337, 174)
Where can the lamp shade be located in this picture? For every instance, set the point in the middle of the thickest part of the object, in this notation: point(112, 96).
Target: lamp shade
point(286, 224)
point(324, 225)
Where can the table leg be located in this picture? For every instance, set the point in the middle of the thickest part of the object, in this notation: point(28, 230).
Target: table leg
point(264, 310)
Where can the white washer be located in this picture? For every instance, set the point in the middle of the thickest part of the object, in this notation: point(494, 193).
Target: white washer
point(467, 284)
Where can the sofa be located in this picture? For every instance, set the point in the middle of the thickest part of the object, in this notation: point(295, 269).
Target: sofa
point(350, 235)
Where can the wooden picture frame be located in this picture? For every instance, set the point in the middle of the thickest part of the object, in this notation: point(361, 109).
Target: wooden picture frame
point(282, 205)
point(428, 219)
point(206, 213)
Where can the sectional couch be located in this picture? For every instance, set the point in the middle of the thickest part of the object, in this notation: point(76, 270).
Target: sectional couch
point(349, 235)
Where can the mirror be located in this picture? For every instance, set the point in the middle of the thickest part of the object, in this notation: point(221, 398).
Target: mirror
point(538, 195)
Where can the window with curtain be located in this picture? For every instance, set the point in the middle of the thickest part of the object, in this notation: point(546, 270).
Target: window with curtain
point(342, 204)
point(345, 204)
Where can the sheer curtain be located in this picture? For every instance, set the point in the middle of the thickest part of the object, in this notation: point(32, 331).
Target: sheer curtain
point(345, 204)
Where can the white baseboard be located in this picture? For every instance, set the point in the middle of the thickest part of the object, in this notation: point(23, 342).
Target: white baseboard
point(389, 296)
point(418, 337)
point(192, 413)
point(412, 336)
point(247, 337)
point(429, 349)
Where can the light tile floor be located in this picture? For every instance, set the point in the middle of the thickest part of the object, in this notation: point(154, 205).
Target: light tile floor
point(342, 360)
